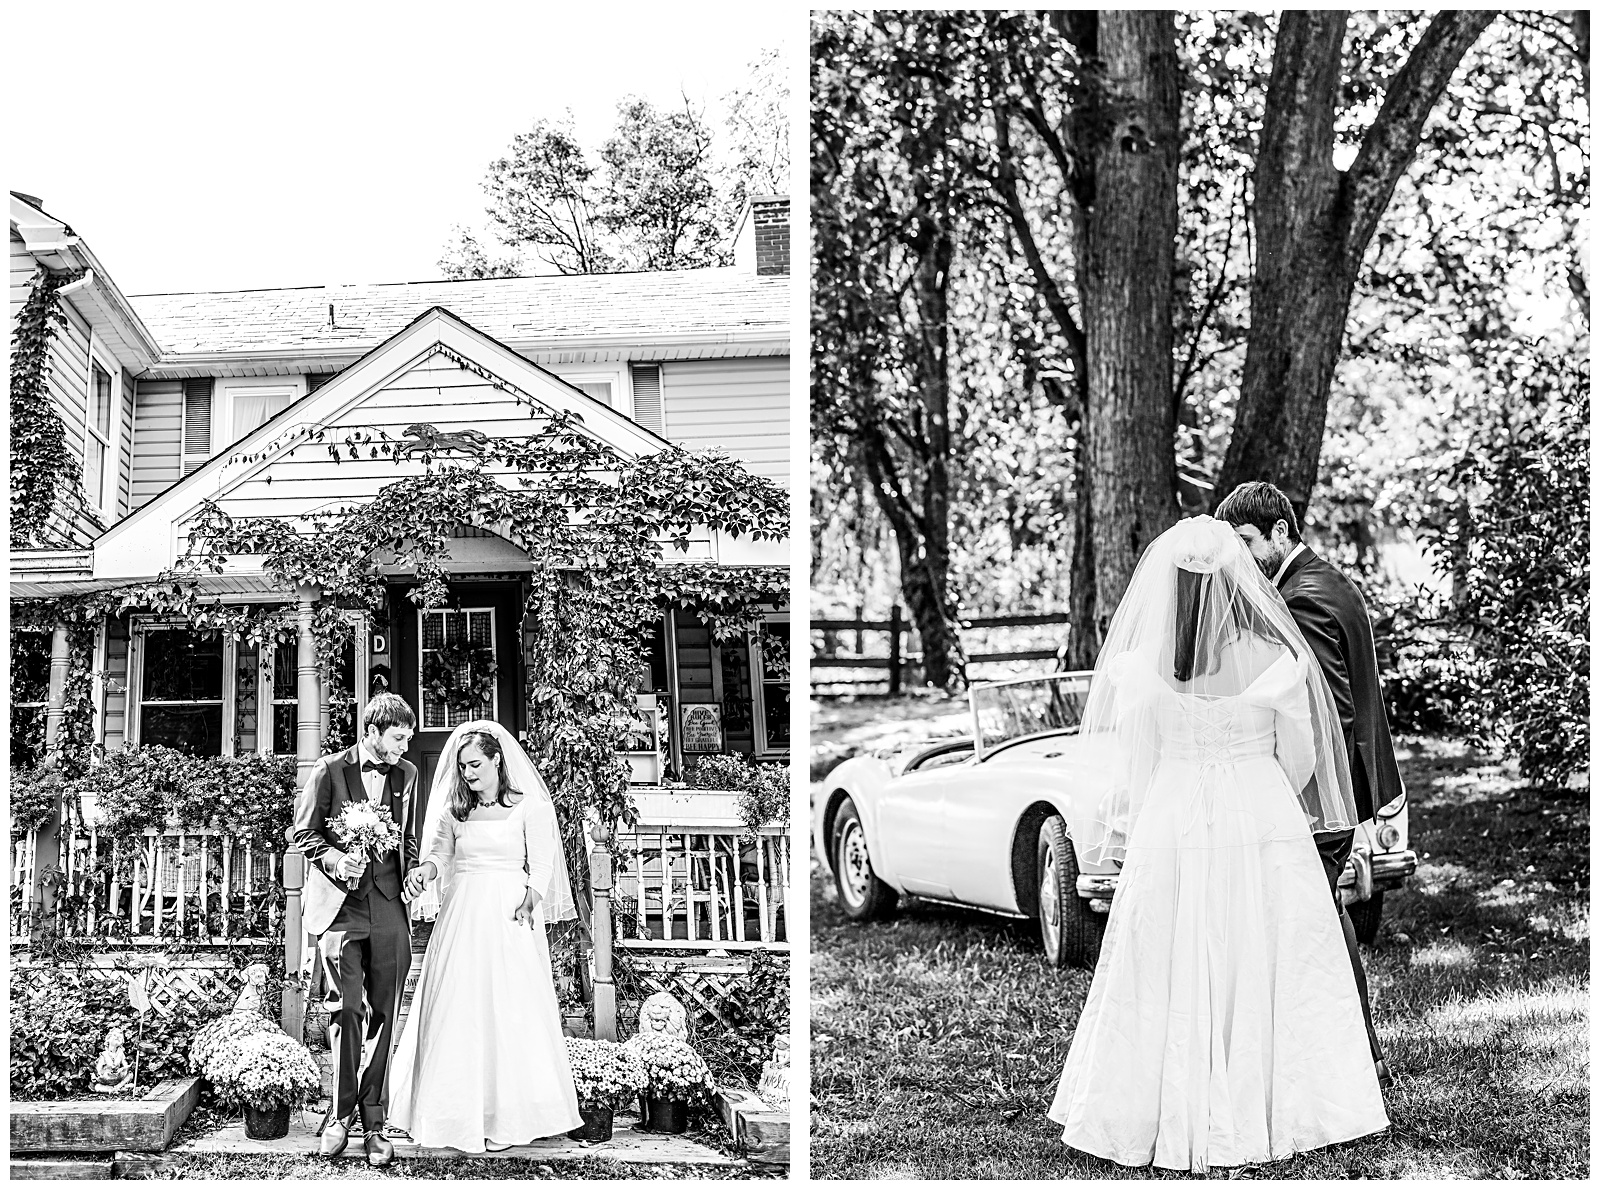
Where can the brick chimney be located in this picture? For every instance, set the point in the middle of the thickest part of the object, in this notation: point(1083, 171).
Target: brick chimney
point(761, 245)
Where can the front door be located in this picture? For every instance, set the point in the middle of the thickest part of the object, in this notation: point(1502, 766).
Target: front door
point(450, 646)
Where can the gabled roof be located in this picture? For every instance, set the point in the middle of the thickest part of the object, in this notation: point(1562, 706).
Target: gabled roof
point(146, 542)
point(521, 311)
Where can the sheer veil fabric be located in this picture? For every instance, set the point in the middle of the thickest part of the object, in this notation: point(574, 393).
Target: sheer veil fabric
point(557, 902)
point(1199, 618)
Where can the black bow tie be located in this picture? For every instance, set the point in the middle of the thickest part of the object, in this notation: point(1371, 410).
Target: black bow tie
point(368, 766)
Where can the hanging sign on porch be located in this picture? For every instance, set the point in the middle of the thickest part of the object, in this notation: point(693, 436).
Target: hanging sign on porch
point(702, 727)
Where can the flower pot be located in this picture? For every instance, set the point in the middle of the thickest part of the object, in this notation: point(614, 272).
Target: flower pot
point(596, 1124)
point(266, 1123)
point(665, 1115)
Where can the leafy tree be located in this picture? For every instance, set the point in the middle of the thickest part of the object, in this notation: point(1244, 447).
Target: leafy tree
point(758, 131)
point(1313, 223)
point(659, 197)
point(886, 209)
point(543, 195)
point(661, 194)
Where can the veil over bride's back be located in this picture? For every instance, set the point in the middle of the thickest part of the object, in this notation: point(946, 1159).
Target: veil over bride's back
point(557, 903)
point(1199, 626)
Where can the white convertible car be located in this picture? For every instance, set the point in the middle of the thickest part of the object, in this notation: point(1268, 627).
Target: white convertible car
point(978, 822)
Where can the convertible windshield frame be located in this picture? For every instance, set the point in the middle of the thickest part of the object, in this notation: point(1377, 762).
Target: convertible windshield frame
point(1007, 699)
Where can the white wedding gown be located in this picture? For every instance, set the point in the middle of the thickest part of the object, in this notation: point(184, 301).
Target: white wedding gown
point(1222, 1026)
point(482, 1054)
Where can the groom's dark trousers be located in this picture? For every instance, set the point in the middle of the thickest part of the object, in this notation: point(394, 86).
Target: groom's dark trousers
point(366, 947)
point(1333, 618)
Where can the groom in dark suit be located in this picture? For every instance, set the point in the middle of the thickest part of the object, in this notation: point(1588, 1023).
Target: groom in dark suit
point(365, 933)
point(1333, 618)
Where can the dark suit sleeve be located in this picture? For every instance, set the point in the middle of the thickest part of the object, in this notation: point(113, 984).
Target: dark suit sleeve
point(310, 831)
point(1322, 632)
point(408, 829)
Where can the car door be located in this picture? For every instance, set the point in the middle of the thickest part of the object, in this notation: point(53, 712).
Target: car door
point(911, 848)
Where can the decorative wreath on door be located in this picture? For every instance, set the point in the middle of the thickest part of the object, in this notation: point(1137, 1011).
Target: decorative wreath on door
point(441, 674)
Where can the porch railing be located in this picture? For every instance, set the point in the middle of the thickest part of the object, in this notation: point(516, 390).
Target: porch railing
point(690, 876)
point(200, 884)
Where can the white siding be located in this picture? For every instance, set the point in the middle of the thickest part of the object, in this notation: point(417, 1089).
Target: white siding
point(157, 424)
point(741, 405)
point(22, 266)
point(437, 392)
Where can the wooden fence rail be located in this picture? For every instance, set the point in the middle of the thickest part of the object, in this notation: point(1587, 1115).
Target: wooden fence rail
point(897, 659)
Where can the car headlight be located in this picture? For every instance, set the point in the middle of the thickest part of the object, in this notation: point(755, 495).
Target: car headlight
point(1388, 836)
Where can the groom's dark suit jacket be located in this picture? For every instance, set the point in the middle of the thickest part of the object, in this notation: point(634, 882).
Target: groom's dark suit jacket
point(1333, 618)
point(333, 783)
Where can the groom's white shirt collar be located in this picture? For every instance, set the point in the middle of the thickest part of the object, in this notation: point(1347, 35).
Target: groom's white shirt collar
point(1278, 578)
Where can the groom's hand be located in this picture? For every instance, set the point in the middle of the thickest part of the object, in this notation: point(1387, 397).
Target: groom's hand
point(352, 866)
point(417, 880)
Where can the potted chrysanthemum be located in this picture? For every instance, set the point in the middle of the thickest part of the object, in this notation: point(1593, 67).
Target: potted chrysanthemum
point(608, 1076)
point(269, 1074)
point(212, 1037)
point(676, 1077)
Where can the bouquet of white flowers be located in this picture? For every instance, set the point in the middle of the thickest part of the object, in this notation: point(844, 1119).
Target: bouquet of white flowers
point(366, 828)
point(672, 1068)
point(265, 1071)
point(608, 1076)
point(211, 1038)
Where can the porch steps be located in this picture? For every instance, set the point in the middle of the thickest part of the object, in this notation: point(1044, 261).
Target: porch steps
point(628, 1144)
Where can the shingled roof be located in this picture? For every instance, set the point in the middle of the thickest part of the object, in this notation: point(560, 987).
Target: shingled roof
point(515, 310)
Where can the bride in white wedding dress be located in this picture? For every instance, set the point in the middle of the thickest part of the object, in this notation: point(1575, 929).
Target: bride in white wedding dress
point(1223, 1025)
point(482, 1062)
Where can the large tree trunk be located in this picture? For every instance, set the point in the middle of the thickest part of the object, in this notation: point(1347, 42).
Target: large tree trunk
point(1313, 225)
point(1126, 238)
point(918, 506)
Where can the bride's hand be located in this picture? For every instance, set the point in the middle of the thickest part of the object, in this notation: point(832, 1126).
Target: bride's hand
point(523, 914)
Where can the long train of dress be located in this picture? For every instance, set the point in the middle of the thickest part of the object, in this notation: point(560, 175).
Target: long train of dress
point(1222, 1026)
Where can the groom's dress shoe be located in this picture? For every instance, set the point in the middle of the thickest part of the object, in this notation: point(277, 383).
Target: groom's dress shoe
point(380, 1151)
point(334, 1138)
point(1385, 1079)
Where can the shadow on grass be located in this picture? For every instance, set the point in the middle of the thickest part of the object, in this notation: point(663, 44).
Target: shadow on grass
point(938, 1037)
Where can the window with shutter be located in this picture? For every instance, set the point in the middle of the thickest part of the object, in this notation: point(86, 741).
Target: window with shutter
point(196, 423)
point(647, 407)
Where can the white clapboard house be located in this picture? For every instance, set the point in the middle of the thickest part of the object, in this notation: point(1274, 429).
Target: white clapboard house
point(161, 393)
point(168, 399)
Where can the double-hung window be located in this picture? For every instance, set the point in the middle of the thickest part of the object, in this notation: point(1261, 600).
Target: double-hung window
point(99, 454)
point(30, 693)
point(180, 690)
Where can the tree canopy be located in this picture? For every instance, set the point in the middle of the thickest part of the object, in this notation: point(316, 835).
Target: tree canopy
point(662, 191)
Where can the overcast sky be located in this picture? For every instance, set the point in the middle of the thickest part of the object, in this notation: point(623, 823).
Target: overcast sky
point(209, 147)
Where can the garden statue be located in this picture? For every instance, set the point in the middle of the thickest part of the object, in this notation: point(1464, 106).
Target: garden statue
point(254, 996)
point(663, 1013)
point(773, 1088)
point(111, 1072)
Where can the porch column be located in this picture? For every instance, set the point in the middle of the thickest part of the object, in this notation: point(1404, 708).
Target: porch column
point(47, 839)
point(308, 746)
point(605, 990)
point(308, 711)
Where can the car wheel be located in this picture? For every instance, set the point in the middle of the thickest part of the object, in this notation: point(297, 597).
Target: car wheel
point(862, 894)
point(1068, 928)
point(1366, 916)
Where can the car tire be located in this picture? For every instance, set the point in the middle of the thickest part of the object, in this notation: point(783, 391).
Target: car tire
point(1366, 916)
point(1069, 930)
point(863, 895)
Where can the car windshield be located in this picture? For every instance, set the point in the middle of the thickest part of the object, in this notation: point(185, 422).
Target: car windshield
point(1007, 711)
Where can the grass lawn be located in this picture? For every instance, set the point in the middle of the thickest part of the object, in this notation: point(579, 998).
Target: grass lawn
point(938, 1037)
